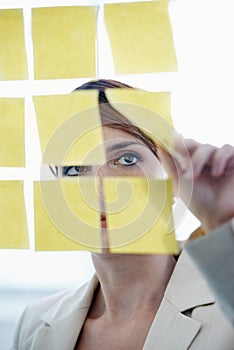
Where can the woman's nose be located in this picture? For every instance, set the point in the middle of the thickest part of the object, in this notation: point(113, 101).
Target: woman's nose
point(103, 171)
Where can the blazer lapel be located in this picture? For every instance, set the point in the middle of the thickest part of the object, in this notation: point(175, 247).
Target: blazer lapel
point(61, 334)
point(60, 330)
point(171, 328)
point(187, 288)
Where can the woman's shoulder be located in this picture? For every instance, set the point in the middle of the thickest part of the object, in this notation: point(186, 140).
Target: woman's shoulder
point(53, 307)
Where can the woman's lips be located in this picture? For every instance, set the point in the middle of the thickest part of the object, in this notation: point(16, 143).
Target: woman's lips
point(103, 220)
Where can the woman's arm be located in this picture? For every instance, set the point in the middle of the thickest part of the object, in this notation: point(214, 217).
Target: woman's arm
point(213, 254)
point(203, 177)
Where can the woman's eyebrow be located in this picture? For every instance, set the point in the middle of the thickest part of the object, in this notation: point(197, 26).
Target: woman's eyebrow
point(118, 146)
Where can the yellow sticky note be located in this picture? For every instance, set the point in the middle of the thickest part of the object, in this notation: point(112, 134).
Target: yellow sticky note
point(70, 128)
point(12, 132)
point(141, 37)
point(13, 61)
point(64, 42)
point(13, 224)
point(138, 214)
point(150, 111)
point(67, 215)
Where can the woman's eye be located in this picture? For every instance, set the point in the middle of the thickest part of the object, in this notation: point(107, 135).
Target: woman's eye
point(75, 170)
point(128, 159)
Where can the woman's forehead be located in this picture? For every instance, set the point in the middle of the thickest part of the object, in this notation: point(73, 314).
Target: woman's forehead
point(117, 139)
point(112, 134)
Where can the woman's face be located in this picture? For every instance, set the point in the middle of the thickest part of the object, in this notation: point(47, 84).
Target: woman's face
point(126, 155)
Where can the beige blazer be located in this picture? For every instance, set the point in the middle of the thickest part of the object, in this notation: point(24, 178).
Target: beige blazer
point(188, 317)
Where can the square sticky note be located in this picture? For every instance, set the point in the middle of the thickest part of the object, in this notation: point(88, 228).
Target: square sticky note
point(141, 37)
point(139, 214)
point(64, 42)
point(12, 132)
point(13, 61)
point(150, 111)
point(67, 215)
point(13, 224)
point(70, 128)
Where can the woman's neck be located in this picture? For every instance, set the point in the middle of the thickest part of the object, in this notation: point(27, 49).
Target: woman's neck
point(130, 283)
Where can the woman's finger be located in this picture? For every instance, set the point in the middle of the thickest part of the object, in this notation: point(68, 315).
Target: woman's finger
point(223, 159)
point(183, 146)
point(201, 158)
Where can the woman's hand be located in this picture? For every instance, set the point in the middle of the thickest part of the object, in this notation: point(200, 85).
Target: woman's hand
point(203, 177)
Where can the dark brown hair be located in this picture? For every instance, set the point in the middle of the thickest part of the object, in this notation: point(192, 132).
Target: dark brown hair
point(111, 117)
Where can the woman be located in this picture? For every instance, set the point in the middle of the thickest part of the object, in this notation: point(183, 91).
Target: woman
point(141, 301)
